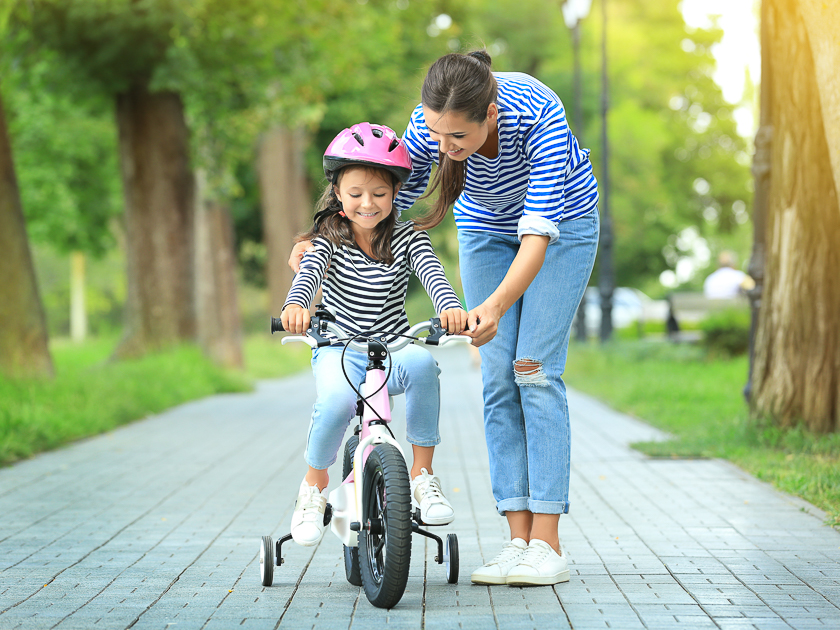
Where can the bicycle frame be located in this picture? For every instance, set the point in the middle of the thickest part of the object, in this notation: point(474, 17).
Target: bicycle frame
point(346, 500)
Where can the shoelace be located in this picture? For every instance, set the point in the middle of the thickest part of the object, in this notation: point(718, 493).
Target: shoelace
point(312, 503)
point(506, 555)
point(430, 487)
point(534, 555)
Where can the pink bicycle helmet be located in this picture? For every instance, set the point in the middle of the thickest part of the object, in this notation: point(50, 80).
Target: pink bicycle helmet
point(373, 145)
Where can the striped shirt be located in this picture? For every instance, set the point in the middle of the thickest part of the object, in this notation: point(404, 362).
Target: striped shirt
point(368, 295)
point(541, 176)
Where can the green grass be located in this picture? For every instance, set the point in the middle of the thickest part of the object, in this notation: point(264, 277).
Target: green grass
point(90, 395)
point(266, 357)
point(699, 401)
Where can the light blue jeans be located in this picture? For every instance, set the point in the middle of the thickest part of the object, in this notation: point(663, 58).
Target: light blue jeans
point(414, 373)
point(526, 418)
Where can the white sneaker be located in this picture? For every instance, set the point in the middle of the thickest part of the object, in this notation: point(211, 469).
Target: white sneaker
point(308, 518)
point(539, 565)
point(496, 571)
point(426, 494)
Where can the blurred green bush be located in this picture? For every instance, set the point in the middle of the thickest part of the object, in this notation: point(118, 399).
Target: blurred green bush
point(727, 333)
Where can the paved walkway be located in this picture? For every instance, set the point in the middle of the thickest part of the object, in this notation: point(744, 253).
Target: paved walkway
point(158, 525)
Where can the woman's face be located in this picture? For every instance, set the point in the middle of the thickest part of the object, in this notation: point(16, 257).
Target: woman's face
point(366, 196)
point(455, 135)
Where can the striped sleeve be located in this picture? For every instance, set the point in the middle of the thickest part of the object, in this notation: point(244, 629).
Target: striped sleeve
point(308, 279)
point(423, 154)
point(425, 263)
point(547, 148)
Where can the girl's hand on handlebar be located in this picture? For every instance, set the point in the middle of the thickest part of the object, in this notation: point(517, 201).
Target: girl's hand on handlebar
point(483, 323)
point(454, 320)
point(298, 251)
point(295, 319)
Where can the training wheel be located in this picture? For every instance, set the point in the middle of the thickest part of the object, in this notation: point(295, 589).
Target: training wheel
point(267, 561)
point(451, 559)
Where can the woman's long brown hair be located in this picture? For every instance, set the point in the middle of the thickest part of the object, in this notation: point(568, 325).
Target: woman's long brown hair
point(336, 228)
point(465, 85)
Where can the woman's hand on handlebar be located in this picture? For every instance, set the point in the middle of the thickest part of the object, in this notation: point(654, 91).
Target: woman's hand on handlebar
point(483, 323)
point(454, 320)
point(298, 252)
point(295, 319)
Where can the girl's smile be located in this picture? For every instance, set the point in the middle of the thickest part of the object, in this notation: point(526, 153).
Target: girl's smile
point(366, 197)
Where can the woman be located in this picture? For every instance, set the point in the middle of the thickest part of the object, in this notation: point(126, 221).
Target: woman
point(525, 204)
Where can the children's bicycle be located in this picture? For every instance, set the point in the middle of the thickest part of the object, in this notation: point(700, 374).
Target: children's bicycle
point(370, 512)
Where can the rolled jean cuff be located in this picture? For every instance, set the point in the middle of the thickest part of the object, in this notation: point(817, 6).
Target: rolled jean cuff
point(517, 504)
point(423, 443)
point(319, 465)
point(548, 507)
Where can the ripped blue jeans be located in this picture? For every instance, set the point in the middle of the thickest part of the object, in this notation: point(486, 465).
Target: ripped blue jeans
point(526, 416)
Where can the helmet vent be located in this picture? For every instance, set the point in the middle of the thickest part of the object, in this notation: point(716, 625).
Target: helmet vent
point(376, 132)
point(358, 138)
point(394, 144)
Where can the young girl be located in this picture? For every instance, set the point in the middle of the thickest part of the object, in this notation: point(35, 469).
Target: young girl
point(363, 257)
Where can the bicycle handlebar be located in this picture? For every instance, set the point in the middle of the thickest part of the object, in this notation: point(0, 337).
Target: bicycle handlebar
point(322, 323)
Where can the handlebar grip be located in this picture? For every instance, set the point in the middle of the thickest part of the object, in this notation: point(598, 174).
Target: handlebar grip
point(277, 325)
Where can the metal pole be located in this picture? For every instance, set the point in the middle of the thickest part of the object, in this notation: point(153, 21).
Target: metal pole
point(606, 278)
point(761, 174)
point(580, 318)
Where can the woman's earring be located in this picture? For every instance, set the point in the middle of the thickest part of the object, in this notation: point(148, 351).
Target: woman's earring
point(341, 213)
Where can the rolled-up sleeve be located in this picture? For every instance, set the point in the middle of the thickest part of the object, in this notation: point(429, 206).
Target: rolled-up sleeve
point(547, 146)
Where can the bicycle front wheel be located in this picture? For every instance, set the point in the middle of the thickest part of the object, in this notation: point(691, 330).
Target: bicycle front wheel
point(385, 539)
point(351, 554)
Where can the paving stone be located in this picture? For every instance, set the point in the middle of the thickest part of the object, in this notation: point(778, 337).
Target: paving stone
point(158, 524)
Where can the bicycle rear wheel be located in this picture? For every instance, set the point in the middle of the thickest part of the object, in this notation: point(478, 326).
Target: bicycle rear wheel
point(385, 539)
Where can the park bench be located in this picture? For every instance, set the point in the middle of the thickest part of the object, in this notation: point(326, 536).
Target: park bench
point(691, 307)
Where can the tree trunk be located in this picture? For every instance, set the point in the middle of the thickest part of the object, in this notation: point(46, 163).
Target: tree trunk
point(78, 310)
point(285, 207)
point(158, 185)
point(797, 364)
point(219, 326)
point(23, 326)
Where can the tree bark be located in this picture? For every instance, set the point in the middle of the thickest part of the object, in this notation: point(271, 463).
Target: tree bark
point(797, 364)
point(219, 325)
point(285, 207)
point(23, 327)
point(158, 186)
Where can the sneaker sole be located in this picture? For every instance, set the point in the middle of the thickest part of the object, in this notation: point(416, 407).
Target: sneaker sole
point(488, 580)
point(434, 521)
point(533, 580)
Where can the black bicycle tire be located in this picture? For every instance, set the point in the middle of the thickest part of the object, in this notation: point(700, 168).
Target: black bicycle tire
point(454, 563)
point(268, 560)
point(385, 576)
point(352, 569)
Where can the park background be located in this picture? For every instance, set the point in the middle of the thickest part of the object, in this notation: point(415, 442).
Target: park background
point(163, 154)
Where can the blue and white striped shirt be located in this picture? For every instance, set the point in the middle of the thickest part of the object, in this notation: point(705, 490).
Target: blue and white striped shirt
point(368, 295)
point(540, 177)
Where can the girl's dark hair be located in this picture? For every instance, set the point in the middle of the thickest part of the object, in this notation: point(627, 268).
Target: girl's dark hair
point(463, 84)
point(336, 228)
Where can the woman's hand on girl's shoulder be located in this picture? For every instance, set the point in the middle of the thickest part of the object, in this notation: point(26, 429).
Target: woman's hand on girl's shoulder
point(298, 252)
point(295, 319)
point(454, 320)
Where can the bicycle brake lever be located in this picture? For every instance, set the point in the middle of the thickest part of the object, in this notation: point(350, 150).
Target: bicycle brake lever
point(435, 333)
point(317, 325)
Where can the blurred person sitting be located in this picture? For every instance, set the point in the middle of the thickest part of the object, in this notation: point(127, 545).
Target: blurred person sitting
point(726, 282)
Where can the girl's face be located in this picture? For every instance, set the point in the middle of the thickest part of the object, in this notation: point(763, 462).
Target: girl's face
point(366, 195)
point(455, 135)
